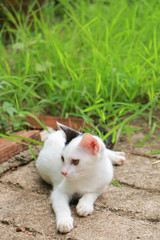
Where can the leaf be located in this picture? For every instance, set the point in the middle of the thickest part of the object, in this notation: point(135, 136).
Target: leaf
point(8, 107)
point(18, 45)
point(41, 67)
point(3, 84)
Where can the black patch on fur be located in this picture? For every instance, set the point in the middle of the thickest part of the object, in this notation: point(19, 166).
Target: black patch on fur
point(70, 133)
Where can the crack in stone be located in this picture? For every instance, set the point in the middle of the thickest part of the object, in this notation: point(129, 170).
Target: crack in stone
point(17, 186)
point(9, 168)
point(142, 154)
point(13, 185)
point(130, 214)
point(7, 221)
point(139, 188)
point(11, 222)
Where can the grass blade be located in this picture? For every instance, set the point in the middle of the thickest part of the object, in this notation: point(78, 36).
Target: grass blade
point(25, 138)
point(156, 162)
point(148, 135)
point(154, 152)
point(32, 152)
point(13, 139)
point(116, 183)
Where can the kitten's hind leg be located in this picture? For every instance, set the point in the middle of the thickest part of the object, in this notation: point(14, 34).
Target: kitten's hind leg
point(86, 204)
point(60, 204)
point(117, 158)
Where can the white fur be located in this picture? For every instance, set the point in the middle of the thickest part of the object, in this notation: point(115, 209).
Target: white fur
point(88, 179)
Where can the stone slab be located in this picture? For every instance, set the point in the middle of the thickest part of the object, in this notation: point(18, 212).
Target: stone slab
point(129, 212)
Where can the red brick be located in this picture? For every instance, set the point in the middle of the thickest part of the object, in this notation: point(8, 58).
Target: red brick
point(10, 148)
point(50, 121)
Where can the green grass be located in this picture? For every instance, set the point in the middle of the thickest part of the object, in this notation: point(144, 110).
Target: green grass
point(94, 59)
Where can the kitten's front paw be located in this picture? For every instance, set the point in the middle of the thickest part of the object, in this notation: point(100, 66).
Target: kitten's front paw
point(119, 158)
point(65, 224)
point(84, 209)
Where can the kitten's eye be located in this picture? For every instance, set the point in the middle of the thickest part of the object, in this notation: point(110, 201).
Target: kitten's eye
point(75, 161)
point(62, 158)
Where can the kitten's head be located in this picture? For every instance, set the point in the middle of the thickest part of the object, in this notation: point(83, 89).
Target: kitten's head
point(81, 156)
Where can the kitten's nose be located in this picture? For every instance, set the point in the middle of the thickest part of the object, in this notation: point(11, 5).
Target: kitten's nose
point(64, 173)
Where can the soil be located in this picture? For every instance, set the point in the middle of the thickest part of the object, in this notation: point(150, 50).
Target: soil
point(131, 211)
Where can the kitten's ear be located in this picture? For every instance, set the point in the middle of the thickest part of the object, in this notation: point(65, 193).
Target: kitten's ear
point(70, 133)
point(90, 143)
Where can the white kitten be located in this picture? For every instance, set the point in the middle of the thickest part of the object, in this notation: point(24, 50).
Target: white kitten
point(82, 167)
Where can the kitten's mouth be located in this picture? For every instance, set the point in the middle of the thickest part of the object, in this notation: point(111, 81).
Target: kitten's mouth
point(70, 177)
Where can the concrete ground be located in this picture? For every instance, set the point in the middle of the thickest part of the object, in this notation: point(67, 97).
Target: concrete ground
point(131, 211)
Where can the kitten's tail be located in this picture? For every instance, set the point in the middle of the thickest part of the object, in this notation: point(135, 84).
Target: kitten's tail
point(108, 142)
